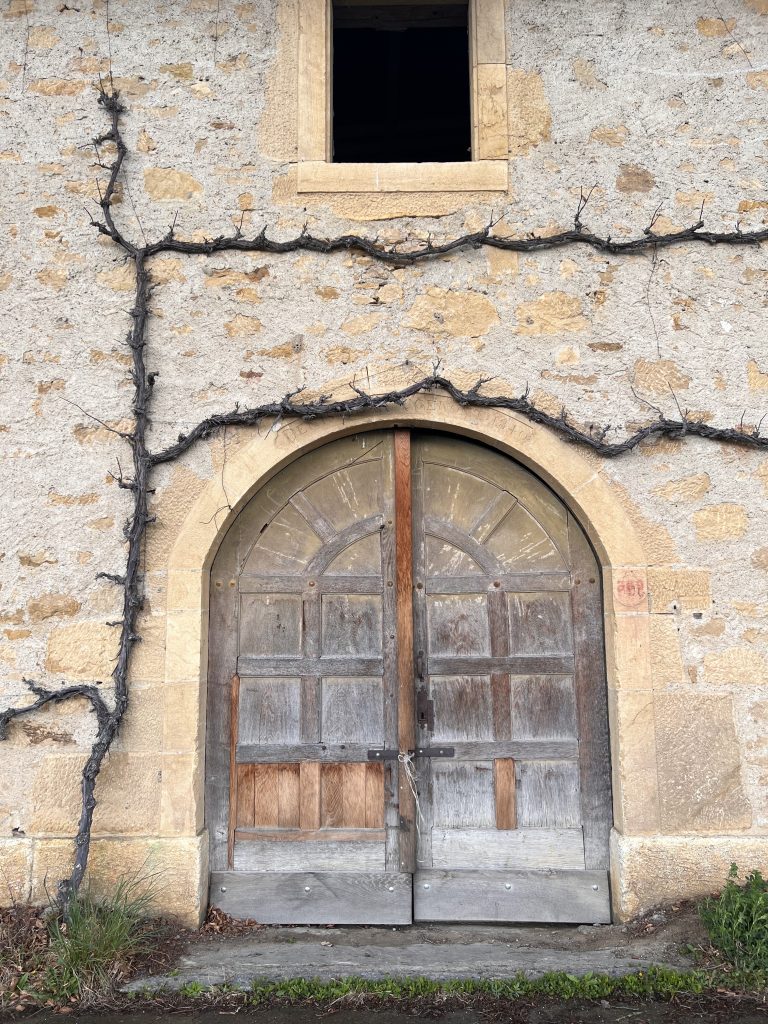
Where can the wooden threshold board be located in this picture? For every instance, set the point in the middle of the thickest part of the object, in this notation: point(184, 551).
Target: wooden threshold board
point(315, 897)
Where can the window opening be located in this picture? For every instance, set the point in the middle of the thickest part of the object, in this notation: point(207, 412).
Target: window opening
point(401, 83)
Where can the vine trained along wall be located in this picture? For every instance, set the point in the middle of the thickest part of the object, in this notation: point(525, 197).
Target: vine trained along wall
point(615, 340)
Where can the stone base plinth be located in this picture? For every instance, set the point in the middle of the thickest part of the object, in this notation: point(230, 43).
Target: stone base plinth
point(649, 870)
point(176, 869)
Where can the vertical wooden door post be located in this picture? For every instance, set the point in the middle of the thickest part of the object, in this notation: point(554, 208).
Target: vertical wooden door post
point(404, 618)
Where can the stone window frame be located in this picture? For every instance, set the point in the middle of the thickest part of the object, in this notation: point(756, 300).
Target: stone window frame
point(486, 171)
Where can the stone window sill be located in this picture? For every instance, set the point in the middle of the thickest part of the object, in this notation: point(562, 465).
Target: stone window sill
point(465, 176)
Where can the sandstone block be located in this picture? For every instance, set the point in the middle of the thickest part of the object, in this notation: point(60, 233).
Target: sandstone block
point(82, 650)
point(649, 870)
point(699, 765)
point(49, 606)
point(666, 662)
point(633, 178)
point(659, 375)
point(15, 871)
point(56, 87)
point(686, 488)
point(528, 110)
point(736, 665)
point(689, 589)
point(242, 326)
point(453, 314)
point(552, 313)
point(165, 183)
point(757, 379)
point(356, 325)
point(610, 135)
point(728, 521)
point(633, 759)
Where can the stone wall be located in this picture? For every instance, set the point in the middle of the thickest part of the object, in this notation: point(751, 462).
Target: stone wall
point(659, 103)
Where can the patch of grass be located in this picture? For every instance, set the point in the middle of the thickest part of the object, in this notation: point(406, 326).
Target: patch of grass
point(656, 982)
point(737, 923)
point(94, 949)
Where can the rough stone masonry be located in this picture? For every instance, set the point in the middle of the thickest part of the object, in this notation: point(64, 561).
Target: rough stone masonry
point(661, 104)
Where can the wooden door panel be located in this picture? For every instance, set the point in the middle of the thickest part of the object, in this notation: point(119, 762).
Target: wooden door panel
point(534, 848)
point(308, 796)
point(521, 543)
point(540, 624)
point(458, 625)
point(543, 707)
point(287, 545)
point(463, 708)
point(305, 582)
point(510, 680)
point(270, 710)
point(352, 710)
point(348, 495)
point(462, 794)
point(548, 794)
point(271, 625)
point(360, 558)
point(351, 625)
point(443, 559)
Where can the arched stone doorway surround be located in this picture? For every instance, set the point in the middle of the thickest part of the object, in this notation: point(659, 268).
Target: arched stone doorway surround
point(575, 478)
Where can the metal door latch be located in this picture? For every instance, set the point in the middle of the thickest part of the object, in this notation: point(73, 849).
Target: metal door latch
point(393, 755)
point(425, 709)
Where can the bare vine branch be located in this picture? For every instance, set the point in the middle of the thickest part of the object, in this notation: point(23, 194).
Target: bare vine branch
point(288, 407)
point(291, 407)
point(45, 696)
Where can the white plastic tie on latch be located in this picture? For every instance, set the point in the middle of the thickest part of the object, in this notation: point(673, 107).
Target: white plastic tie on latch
point(409, 767)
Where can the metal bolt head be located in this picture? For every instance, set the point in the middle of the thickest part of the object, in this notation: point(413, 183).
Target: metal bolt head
point(426, 885)
point(391, 888)
point(307, 888)
point(507, 885)
point(595, 887)
point(223, 888)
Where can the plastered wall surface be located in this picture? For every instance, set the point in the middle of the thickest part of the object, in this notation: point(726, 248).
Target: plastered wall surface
point(655, 104)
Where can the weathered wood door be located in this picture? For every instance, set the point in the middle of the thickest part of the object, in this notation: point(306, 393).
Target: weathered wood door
point(406, 700)
point(515, 793)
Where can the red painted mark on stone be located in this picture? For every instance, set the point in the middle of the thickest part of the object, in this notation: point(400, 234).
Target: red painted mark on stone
point(631, 590)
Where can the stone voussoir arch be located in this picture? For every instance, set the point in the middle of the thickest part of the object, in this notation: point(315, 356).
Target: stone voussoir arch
point(577, 480)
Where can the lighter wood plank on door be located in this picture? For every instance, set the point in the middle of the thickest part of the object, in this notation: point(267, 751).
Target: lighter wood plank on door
point(352, 795)
point(294, 795)
point(504, 790)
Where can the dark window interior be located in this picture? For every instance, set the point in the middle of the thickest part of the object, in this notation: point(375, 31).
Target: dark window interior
point(400, 83)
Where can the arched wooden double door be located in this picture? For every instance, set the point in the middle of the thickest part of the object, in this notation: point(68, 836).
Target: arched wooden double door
point(407, 704)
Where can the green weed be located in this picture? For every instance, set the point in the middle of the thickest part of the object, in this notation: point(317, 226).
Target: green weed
point(737, 922)
point(656, 982)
